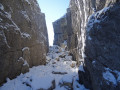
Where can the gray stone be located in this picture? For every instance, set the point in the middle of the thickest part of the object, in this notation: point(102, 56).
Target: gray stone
point(95, 43)
point(21, 25)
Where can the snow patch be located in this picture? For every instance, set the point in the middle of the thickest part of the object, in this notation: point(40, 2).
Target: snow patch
point(8, 15)
point(109, 77)
point(94, 18)
point(118, 75)
point(25, 15)
point(44, 82)
point(93, 62)
point(81, 68)
point(15, 84)
point(7, 79)
point(12, 25)
point(103, 10)
point(25, 48)
point(67, 78)
point(1, 7)
point(89, 38)
point(25, 35)
point(25, 63)
point(68, 57)
point(16, 27)
point(20, 58)
point(41, 76)
point(83, 55)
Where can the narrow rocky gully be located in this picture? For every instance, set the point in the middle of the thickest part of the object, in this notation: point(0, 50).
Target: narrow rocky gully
point(60, 73)
point(85, 54)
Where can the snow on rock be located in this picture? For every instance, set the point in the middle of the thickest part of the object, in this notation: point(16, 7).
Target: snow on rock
point(93, 62)
point(114, 78)
point(16, 27)
point(1, 7)
point(68, 57)
point(25, 15)
point(89, 38)
point(94, 18)
point(8, 15)
point(81, 68)
point(67, 78)
point(25, 48)
point(67, 81)
point(109, 77)
point(21, 58)
point(25, 35)
point(118, 75)
point(42, 83)
point(42, 77)
point(25, 63)
point(15, 84)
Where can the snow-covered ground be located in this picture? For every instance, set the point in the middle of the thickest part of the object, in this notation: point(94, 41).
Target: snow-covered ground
point(59, 73)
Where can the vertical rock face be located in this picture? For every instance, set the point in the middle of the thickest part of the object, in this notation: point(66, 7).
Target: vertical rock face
point(23, 37)
point(102, 48)
point(96, 25)
point(65, 34)
point(62, 28)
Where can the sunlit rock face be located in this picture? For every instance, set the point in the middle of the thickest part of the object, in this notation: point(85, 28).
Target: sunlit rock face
point(23, 37)
point(95, 23)
point(98, 42)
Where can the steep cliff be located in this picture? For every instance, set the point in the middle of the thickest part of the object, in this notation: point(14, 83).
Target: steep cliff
point(23, 37)
point(64, 34)
point(96, 25)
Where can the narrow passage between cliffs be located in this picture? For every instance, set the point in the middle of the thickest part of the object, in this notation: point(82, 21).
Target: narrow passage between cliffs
point(60, 73)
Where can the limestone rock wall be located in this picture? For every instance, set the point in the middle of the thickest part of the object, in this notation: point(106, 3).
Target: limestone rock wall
point(23, 37)
point(95, 23)
point(64, 33)
point(97, 42)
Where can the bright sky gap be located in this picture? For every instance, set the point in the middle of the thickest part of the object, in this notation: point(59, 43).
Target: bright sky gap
point(53, 9)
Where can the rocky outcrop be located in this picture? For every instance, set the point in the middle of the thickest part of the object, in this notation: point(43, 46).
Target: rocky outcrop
point(64, 34)
point(102, 48)
point(62, 29)
point(96, 25)
point(23, 37)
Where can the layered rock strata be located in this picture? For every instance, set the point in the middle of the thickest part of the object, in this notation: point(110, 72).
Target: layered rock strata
point(23, 37)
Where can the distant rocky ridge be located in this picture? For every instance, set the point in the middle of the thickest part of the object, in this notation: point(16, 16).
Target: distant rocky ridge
point(94, 40)
point(23, 37)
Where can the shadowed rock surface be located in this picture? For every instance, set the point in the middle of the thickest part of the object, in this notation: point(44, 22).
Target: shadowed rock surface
point(97, 41)
point(23, 37)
